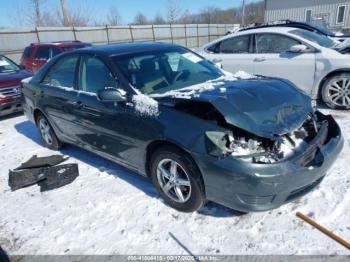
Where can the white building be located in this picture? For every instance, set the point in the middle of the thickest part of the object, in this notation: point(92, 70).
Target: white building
point(334, 14)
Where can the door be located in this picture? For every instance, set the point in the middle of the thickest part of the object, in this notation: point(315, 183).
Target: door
point(59, 96)
point(233, 53)
point(105, 126)
point(273, 58)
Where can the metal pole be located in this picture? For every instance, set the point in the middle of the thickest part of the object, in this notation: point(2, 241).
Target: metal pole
point(243, 12)
point(132, 36)
point(153, 35)
point(37, 34)
point(74, 33)
point(185, 36)
point(107, 34)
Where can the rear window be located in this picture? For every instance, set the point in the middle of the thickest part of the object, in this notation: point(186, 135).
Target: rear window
point(27, 52)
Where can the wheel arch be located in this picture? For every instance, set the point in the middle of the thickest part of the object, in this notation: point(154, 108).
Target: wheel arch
point(155, 145)
point(330, 74)
point(36, 113)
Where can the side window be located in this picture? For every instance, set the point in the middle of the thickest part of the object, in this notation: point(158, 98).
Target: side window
point(94, 75)
point(43, 53)
point(62, 73)
point(235, 45)
point(54, 51)
point(214, 48)
point(27, 52)
point(274, 43)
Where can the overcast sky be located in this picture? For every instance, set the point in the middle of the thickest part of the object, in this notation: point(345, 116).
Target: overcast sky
point(127, 8)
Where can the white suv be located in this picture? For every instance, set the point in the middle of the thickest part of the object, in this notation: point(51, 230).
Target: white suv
point(309, 60)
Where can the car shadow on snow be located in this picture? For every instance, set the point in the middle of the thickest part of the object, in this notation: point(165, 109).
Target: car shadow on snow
point(13, 115)
point(29, 130)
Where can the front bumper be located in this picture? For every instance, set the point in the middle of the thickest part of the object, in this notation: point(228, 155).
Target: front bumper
point(11, 107)
point(247, 187)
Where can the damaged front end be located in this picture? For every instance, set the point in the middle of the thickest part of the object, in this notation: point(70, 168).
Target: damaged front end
point(249, 147)
point(262, 143)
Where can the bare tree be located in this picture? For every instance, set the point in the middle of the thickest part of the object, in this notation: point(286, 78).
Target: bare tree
point(34, 13)
point(114, 17)
point(210, 15)
point(173, 11)
point(140, 19)
point(158, 19)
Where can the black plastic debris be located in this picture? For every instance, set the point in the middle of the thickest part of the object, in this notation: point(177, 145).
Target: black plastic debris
point(43, 171)
point(25, 177)
point(58, 176)
point(45, 161)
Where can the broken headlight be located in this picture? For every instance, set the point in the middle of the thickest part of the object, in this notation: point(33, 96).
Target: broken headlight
point(220, 144)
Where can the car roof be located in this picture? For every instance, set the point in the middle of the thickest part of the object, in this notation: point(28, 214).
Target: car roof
point(275, 29)
point(125, 48)
point(284, 23)
point(59, 43)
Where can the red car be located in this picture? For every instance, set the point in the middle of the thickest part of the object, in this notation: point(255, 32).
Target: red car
point(10, 85)
point(37, 54)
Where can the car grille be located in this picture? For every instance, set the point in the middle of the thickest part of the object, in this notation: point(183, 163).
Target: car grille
point(256, 200)
point(303, 190)
point(10, 92)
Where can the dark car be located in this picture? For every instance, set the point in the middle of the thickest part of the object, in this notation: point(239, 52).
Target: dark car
point(10, 82)
point(249, 143)
point(301, 25)
point(37, 54)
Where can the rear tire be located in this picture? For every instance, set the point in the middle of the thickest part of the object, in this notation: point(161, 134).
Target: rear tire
point(47, 134)
point(177, 179)
point(336, 91)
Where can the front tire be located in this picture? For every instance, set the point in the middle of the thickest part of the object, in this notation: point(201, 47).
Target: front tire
point(336, 91)
point(47, 134)
point(177, 179)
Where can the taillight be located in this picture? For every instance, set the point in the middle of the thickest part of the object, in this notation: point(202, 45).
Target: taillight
point(6, 99)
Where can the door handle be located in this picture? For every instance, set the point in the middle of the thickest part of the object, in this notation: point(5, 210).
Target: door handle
point(76, 104)
point(259, 59)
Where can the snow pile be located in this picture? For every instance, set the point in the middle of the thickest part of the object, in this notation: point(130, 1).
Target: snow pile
point(243, 75)
point(195, 90)
point(145, 105)
point(26, 80)
point(190, 91)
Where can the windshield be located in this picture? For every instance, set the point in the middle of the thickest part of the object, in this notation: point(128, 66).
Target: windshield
point(7, 66)
point(324, 30)
point(313, 37)
point(160, 71)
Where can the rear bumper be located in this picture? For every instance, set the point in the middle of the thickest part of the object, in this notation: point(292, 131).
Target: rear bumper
point(247, 187)
point(11, 107)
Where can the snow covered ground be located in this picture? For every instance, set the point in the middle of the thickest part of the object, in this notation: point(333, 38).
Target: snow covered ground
point(110, 210)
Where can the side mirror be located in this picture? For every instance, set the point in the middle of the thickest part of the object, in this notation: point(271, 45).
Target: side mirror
point(111, 94)
point(298, 49)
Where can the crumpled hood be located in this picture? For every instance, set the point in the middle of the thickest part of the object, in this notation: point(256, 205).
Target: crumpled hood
point(265, 107)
